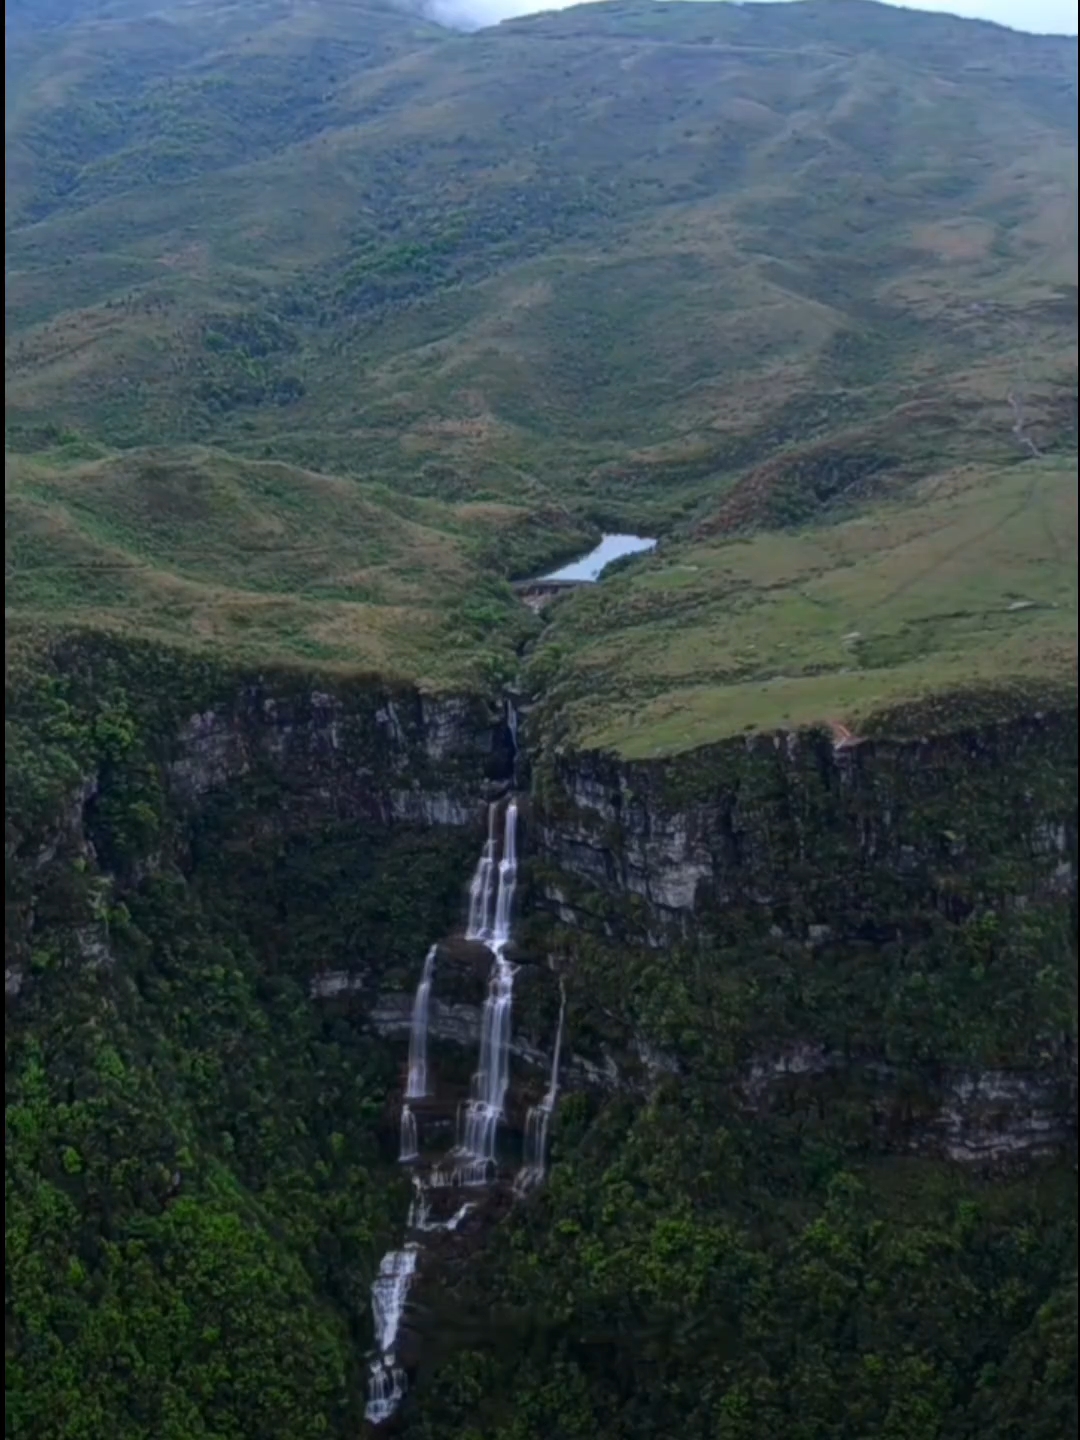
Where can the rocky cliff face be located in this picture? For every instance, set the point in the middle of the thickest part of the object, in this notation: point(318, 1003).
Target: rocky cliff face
point(222, 772)
point(788, 856)
point(797, 877)
point(793, 824)
point(820, 885)
point(380, 755)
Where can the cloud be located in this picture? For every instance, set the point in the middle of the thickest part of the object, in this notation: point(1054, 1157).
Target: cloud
point(476, 14)
point(1041, 17)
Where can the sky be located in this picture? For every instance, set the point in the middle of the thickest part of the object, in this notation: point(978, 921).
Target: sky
point(1043, 17)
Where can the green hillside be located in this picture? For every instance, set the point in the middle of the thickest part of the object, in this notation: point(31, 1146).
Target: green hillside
point(261, 560)
point(692, 269)
point(967, 586)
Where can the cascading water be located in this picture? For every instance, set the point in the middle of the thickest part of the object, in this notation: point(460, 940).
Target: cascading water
point(482, 889)
point(409, 1148)
point(538, 1119)
point(491, 904)
point(387, 1381)
point(420, 1211)
point(504, 899)
point(484, 1110)
point(416, 1086)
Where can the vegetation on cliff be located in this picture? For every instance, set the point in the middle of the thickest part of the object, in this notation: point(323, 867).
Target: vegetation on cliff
point(828, 1186)
point(688, 1269)
point(197, 1186)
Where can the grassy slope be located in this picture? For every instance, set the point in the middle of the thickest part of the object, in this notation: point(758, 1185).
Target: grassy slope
point(561, 245)
point(690, 268)
point(269, 561)
point(969, 583)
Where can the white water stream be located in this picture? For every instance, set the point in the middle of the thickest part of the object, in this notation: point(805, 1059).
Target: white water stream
point(491, 904)
point(482, 887)
point(484, 1110)
point(386, 1384)
point(538, 1119)
point(416, 1085)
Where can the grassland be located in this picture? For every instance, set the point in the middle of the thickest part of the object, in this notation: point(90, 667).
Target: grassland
point(968, 584)
point(324, 321)
point(268, 562)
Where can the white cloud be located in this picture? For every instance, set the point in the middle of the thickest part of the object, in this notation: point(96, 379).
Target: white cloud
point(1040, 17)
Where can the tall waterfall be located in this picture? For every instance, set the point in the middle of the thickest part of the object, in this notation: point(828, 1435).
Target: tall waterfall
point(538, 1119)
point(504, 898)
point(491, 905)
point(484, 1110)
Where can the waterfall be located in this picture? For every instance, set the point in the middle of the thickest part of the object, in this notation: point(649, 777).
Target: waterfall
point(420, 1211)
point(538, 1119)
point(482, 888)
point(387, 1380)
point(491, 906)
point(416, 1087)
point(511, 724)
point(485, 1108)
point(504, 899)
point(409, 1148)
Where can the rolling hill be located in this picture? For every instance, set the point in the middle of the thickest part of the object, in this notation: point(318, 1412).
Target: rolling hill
point(697, 269)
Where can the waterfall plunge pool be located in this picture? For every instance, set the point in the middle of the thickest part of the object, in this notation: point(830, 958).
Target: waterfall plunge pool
point(591, 566)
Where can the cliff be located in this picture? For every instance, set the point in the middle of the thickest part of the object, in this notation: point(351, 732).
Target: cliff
point(885, 901)
point(162, 761)
point(785, 964)
point(795, 825)
point(896, 911)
